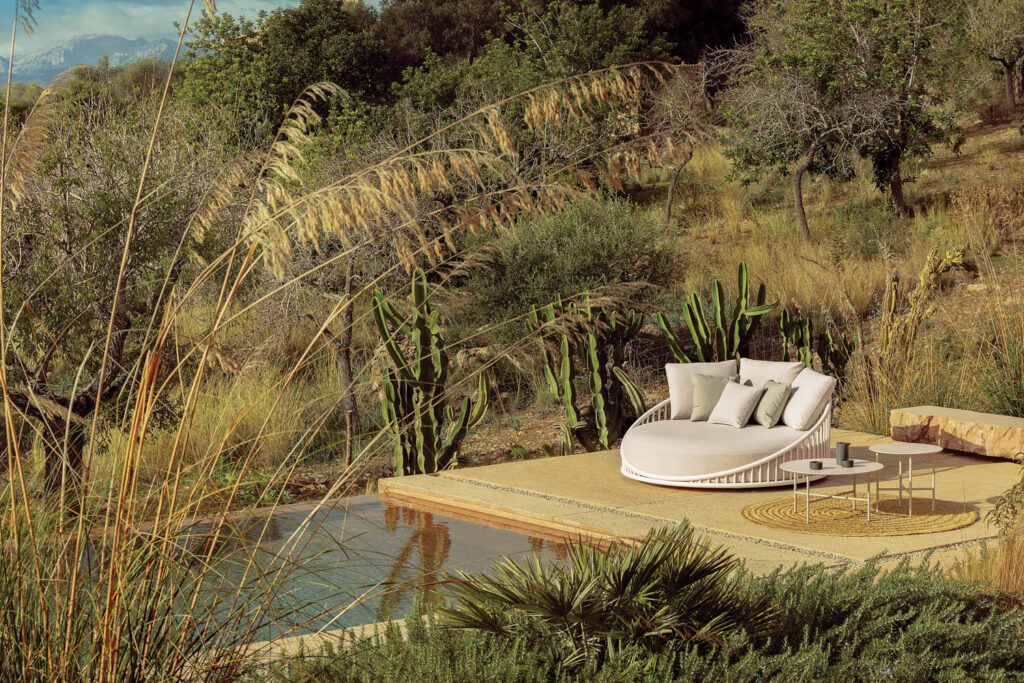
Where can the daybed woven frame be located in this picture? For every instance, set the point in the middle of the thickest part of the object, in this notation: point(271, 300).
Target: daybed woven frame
point(815, 443)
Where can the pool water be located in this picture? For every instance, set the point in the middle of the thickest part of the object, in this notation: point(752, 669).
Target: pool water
point(360, 562)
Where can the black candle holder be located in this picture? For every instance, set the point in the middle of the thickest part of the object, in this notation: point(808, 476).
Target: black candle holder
point(815, 465)
point(846, 463)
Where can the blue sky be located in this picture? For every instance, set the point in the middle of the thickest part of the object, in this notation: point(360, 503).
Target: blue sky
point(58, 20)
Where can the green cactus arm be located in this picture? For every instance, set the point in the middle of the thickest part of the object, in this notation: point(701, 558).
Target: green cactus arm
point(480, 405)
point(566, 439)
point(720, 348)
point(436, 346)
point(693, 315)
point(426, 428)
point(671, 340)
point(456, 433)
point(754, 311)
point(631, 391)
point(718, 302)
point(549, 372)
point(700, 318)
point(419, 288)
point(566, 391)
point(382, 312)
point(597, 401)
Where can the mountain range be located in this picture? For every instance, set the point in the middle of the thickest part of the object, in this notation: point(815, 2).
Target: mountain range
point(42, 66)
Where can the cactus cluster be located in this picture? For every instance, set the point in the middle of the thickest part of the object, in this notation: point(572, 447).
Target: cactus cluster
point(800, 343)
point(590, 340)
point(797, 337)
point(727, 334)
point(426, 433)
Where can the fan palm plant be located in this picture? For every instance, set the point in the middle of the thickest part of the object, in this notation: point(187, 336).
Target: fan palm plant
point(672, 588)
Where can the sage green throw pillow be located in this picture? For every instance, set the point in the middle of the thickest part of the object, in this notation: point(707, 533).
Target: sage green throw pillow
point(707, 389)
point(773, 402)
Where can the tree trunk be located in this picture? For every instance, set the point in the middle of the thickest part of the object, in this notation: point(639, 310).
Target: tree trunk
point(1011, 95)
point(798, 190)
point(672, 194)
point(1019, 67)
point(63, 448)
point(349, 404)
point(896, 188)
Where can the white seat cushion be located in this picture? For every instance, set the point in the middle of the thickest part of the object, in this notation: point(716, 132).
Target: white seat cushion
point(756, 373)
point(812, 391)
point(680, 383)
point(680, 448)
point(736, 405)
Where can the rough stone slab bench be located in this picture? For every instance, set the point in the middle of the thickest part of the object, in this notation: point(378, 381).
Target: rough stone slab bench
point(997, 436)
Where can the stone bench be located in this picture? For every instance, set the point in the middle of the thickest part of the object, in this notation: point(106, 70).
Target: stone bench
point(997, 436)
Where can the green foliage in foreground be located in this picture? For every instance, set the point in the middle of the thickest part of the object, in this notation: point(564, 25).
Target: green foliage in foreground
point(906, 624)
point(426, 434)
point(670, 589)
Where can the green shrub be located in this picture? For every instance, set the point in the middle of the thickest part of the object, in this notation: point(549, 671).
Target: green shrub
point(588, 245)
point(905, 624)
point(433, 654)
point(668, 590)
point(865, 231)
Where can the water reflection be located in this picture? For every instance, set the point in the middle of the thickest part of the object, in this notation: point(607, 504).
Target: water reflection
point(362, 561)
point(432, 542)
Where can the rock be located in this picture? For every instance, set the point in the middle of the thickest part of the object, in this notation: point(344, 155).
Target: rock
point(997, 436)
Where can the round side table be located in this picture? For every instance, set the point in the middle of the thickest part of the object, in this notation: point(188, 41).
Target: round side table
point(906, 449)
point(802, 468)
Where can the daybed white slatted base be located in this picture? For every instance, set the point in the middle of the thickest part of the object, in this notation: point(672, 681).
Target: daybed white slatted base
point(761, 473)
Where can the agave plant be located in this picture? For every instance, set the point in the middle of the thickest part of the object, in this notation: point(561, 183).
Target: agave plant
point(671, 588)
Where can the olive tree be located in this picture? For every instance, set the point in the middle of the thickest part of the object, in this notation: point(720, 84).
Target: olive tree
point(996, 29)
point(87, 267)
point(821, 78)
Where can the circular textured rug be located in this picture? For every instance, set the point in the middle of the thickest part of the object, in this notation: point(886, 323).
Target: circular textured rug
point(830, 517)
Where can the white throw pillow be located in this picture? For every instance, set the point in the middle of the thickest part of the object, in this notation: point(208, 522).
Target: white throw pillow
point(680, 383)
point(811, 393)
point(757, 373)
point(736, 405)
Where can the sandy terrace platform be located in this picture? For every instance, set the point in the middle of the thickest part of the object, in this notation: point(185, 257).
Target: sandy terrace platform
point(585, 495)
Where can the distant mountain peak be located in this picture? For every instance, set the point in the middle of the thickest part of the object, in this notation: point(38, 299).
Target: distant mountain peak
point(42, 66)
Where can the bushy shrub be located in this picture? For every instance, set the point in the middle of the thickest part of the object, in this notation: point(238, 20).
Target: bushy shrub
point(905, 624)
point(865, 231)
point(589, 245)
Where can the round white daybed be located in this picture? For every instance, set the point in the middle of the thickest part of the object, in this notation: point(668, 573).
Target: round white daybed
point(677, 452)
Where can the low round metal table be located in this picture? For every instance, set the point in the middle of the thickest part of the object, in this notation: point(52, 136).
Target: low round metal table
point(802, 468)
point(901, 449)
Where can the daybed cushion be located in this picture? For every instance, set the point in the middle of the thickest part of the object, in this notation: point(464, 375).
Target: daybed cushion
point(811, 393)
point(769, 408)
point(680, 383)
point(757, 373)
point(707, 389)
point(679, 448)
point(736, 405)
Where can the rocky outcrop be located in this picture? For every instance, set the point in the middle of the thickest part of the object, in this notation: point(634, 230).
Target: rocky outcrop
point(996, 436)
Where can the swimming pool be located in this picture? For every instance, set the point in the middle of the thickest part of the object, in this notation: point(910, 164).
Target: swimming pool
point(361, 561)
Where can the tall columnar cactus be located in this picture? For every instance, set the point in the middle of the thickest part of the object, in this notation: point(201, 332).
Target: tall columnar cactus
point(726, 335)
point(797, 338)
point(800, 343)
point(426, 433)
point(591, 341)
